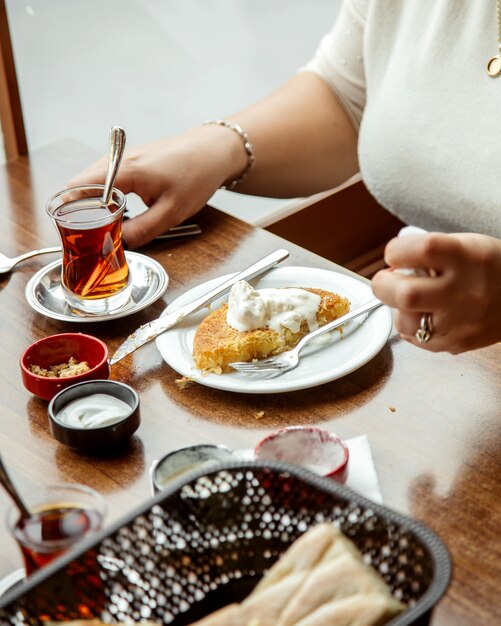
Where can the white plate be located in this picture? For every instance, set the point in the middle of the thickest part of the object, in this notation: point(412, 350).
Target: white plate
point(332, 357)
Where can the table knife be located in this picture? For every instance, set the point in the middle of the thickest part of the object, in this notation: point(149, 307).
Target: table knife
point(151, 330)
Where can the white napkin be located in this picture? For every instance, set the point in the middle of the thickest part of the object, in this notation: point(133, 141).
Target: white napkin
point(411, 230)
point(404, 232)
point(361, 476)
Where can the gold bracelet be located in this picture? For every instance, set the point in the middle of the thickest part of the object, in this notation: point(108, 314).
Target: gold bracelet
point(248, 147)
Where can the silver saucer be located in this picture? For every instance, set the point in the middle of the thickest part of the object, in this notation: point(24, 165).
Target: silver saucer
point(44, 291)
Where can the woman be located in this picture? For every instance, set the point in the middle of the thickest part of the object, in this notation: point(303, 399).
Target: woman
point(400, 91)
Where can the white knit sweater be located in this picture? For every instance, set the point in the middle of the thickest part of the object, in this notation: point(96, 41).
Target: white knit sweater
point(412, 75)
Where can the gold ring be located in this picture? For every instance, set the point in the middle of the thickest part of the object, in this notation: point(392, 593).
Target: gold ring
point(425, 330)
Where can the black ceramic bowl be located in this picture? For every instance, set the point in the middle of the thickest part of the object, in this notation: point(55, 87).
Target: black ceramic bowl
point(99, 438)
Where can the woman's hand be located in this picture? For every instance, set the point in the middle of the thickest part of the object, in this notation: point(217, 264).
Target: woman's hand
point(463, 294)
point(174, 177)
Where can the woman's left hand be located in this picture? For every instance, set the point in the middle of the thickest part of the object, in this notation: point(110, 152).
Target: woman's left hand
point(462, 292)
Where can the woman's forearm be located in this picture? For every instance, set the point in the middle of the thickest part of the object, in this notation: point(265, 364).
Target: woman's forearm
point(304, 142)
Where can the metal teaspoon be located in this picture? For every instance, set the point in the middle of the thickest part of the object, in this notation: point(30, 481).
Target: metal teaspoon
point(12, 491)
point(117, 147)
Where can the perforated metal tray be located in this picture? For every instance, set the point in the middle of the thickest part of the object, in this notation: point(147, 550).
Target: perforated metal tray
point(206, 541)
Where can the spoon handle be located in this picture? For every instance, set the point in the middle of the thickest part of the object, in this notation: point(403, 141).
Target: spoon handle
point(11, 490)
point(117, 147)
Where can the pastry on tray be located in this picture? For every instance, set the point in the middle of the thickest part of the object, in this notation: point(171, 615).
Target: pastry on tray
point(320, 580)
point(256, 324)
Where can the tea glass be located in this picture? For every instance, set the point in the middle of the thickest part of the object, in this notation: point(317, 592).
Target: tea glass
point(61, 515)
point(94, 274)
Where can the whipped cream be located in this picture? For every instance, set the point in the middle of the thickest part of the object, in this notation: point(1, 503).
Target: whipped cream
point(250, 308)
point(94, 411)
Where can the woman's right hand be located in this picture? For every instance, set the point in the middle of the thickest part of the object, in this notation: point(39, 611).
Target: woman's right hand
point(174, 177)
point(463, 294)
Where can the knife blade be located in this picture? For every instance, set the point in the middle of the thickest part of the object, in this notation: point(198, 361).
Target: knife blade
point(151, 330)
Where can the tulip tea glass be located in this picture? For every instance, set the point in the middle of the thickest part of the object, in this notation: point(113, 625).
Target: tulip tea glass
point(94, 274)
point(61, 515)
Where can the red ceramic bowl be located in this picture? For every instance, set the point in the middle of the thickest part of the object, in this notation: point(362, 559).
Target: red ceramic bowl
point(313, 448)
point(57, 349)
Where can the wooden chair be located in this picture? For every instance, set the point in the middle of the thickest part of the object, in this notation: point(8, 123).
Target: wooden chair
point(348, 227)
point(11, 113)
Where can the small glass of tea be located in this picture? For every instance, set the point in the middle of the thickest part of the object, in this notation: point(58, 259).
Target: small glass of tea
point(95, 274)
point(61, 515)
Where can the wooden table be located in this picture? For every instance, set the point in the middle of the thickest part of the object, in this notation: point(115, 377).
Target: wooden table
point(433, 420)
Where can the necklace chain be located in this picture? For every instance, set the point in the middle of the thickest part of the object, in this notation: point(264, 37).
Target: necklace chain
point(499, 24)
point(494, 63)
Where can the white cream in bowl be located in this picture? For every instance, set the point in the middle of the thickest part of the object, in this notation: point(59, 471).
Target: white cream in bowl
point(94, 411)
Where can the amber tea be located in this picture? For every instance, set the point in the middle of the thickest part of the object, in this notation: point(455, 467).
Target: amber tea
point(94, 273)
point(47, 534)
point(60, 516)
point(94, 264)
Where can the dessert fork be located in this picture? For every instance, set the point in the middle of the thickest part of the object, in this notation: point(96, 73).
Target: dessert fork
point(286, 361)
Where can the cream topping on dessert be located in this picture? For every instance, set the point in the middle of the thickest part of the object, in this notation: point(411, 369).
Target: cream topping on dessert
point(93, 411)
point(250, 308)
